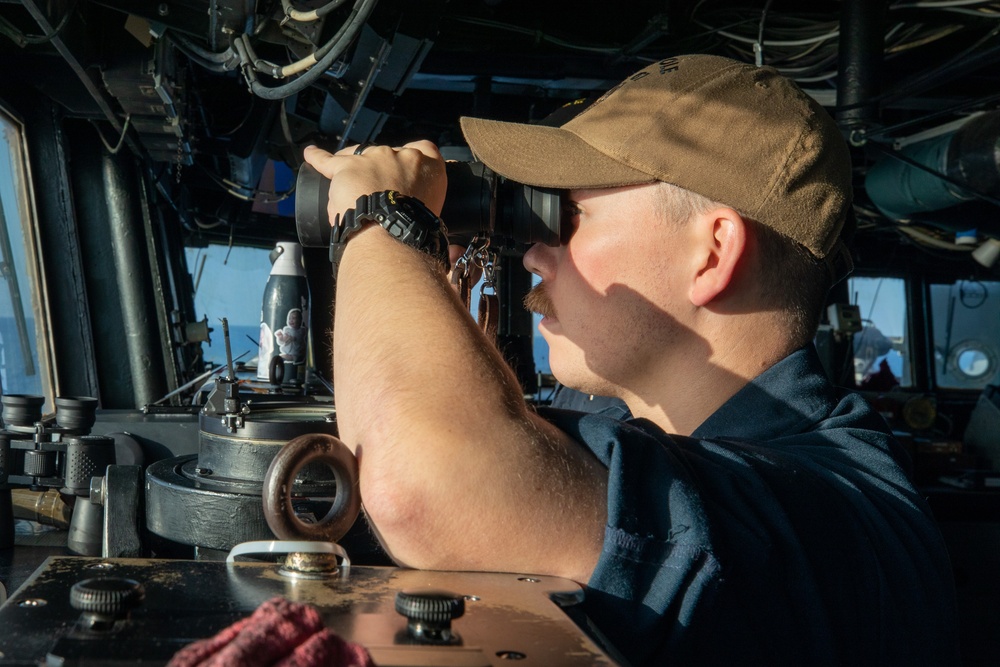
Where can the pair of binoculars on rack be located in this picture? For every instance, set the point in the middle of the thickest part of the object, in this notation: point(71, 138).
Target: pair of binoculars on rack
point(55, 452)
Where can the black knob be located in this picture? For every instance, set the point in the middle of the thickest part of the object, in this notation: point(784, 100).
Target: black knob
point(107, 596)
point(429, 614)
point(39, 463)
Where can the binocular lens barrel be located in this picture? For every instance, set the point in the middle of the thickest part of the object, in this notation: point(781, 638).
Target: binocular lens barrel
point(76, 412)
point(21, 409)
point(478, 203)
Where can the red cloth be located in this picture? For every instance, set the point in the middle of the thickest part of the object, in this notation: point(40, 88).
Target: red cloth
point(279, 632)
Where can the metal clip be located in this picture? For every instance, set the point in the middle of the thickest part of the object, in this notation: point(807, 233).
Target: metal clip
point(487, 261)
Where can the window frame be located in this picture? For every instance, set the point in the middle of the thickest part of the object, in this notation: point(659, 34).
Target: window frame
point(23, 187)
point(935, 373)
point(909, 380)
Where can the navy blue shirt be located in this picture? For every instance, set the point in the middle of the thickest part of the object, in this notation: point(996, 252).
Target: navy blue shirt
point(783, 532)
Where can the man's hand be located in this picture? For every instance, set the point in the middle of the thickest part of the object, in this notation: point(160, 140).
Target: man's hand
point(416, 169)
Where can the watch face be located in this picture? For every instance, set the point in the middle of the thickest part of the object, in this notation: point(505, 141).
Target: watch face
point(405, 218)
point(405, 207)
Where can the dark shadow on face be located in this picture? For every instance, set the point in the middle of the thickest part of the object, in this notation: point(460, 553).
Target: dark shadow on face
point(624, 339)
point(619, 334)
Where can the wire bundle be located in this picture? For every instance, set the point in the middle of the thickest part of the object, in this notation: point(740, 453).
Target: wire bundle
point(804, 45)
point(242, 53)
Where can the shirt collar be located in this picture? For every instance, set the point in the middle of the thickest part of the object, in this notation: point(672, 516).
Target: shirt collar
point(785, 399)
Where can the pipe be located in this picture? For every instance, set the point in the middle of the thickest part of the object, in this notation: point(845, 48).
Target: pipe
point(859, 79)
point(941, 172)
point(143, 348)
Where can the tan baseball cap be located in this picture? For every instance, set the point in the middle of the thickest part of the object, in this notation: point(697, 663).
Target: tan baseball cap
point(738, 134)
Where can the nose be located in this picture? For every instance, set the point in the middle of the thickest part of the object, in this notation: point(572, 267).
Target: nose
point(539, 260)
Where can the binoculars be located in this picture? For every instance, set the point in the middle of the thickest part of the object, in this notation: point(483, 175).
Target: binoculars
point(42, 454)
point(479, 204)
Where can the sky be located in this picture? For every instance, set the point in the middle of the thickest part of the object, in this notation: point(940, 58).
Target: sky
point(232, 289)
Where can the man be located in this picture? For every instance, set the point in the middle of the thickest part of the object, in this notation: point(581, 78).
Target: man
point(774, 525)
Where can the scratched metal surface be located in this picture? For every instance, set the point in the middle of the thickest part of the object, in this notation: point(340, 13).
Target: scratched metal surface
point(507, 615)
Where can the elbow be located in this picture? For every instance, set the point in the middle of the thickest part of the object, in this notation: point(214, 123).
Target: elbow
point(401, 518)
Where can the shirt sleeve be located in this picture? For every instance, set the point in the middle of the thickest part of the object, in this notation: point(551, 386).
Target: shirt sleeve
point(714, 549)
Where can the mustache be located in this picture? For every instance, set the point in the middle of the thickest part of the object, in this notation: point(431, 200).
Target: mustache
point(537, 301)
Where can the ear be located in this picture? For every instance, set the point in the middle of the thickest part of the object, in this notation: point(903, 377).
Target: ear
point(721, 241)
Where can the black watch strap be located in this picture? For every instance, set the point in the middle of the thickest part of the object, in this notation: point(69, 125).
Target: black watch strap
point(406, 219)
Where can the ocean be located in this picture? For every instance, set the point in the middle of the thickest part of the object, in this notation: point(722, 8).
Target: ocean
point(242, 340)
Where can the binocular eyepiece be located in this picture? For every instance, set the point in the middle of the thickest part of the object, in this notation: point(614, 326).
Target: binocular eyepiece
point(23, 411)
point(479, 203)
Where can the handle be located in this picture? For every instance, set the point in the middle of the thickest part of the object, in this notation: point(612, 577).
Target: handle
point(277, 492)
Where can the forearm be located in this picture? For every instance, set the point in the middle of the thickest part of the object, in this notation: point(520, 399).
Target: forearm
point(455, 470)
point(403, 342)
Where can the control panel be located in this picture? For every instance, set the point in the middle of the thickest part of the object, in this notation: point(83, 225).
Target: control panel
point(87, 611)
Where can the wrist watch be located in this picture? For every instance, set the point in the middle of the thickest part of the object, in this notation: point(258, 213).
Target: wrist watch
point(406, 219)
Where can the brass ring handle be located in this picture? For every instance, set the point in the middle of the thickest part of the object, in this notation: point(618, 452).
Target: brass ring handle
point(277, 493)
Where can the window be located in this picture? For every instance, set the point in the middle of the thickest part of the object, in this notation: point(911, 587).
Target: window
point(964, 318)
point(230, 283)
point(23, 346)
point(539, 344)
point(881, 347)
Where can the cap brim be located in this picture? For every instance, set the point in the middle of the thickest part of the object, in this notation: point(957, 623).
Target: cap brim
point(547, 157)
